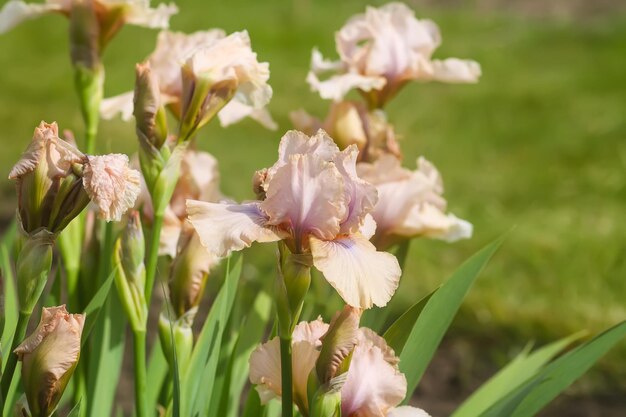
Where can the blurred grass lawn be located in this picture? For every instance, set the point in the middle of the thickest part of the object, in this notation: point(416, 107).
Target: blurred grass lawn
point(537, 148)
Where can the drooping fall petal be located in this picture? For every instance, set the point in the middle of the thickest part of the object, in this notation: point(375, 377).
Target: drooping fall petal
point(230, 227)
point(361, 275)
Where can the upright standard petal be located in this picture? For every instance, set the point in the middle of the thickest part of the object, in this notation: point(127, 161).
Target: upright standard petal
point(111, 184)
point(306, 196)
point(224, 228)
point(361, 275)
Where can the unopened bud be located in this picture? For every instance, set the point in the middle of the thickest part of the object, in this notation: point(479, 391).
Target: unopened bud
point(189, 272)
point(150, 117)
point(338, 344)
point(347, 121)
point(130, 272)
point(183, 339)
point(49, 357)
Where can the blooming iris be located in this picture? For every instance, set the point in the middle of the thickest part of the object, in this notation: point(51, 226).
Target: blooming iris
point(180, 57)
point(383, 49)
point(410, 203)
point(313, 200)
point(374, 385)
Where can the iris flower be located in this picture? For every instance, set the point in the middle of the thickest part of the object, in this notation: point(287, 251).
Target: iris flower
point(313, 200)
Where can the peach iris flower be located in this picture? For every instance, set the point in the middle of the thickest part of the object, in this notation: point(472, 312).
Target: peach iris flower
point(226, 57)
point(410, 203)
point(112, 13)
point(383, 49)
point(374, 384)
point(312, 199)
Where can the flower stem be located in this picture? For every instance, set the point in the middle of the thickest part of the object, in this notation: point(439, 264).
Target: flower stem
point(153, 255)
point(18, 337)
point(286, 376)
point(141, 390)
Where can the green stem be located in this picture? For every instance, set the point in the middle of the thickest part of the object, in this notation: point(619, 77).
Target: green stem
point(104, 266)
point(90, 138)
point(153, 255)
point(18, 337)
point(286, 374)
point(141, 388)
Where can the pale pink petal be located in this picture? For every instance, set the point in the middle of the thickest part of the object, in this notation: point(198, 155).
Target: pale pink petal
point(429, 221)
point(232, 59)
point(141, 14)
point(199, 180)
point(373, 386)
point(361, 195)
point(311, 332)
point(337, 86)
point(111, 184)
point(295, 143)
point(15, 12)
point(170, 232)
point(306, 196)
point(224, 228)
point(407, 411)
point(121, 104)
point(368, 227)
point(236, 111)
point(368, 337)
point(361, 275)
point(265, 368)
point(454, 70)
point(172, 50)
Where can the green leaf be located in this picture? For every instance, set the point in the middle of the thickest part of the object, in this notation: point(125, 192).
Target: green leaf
point(94, 307)
point(105, 358)
point(511, 376)
point(10, 299)
point(253, 406)
point(436, 316)
point(157, 372)
point(398, 333)
point(561, 373)
point(196, 384)
point(75, 411)
point(252, 331)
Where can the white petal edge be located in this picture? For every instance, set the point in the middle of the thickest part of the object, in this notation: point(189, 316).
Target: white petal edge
point(337, 86)
point(121, 104)
point(361, 275)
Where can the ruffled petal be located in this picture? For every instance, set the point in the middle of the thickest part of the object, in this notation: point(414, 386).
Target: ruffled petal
point(373, 386)
point(362, 196)
point(311, 332)
point(224, 228)
point(306, 196)
point(407, 411)
point(121, 104)
point(265, 370)
point(361, 275)
point(111, 184)
point(295, 143)
point(15, 12)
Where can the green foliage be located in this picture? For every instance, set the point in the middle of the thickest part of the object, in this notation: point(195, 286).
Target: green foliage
point(436, 316)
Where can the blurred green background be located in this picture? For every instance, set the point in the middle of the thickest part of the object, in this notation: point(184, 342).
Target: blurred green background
point(536, 149)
